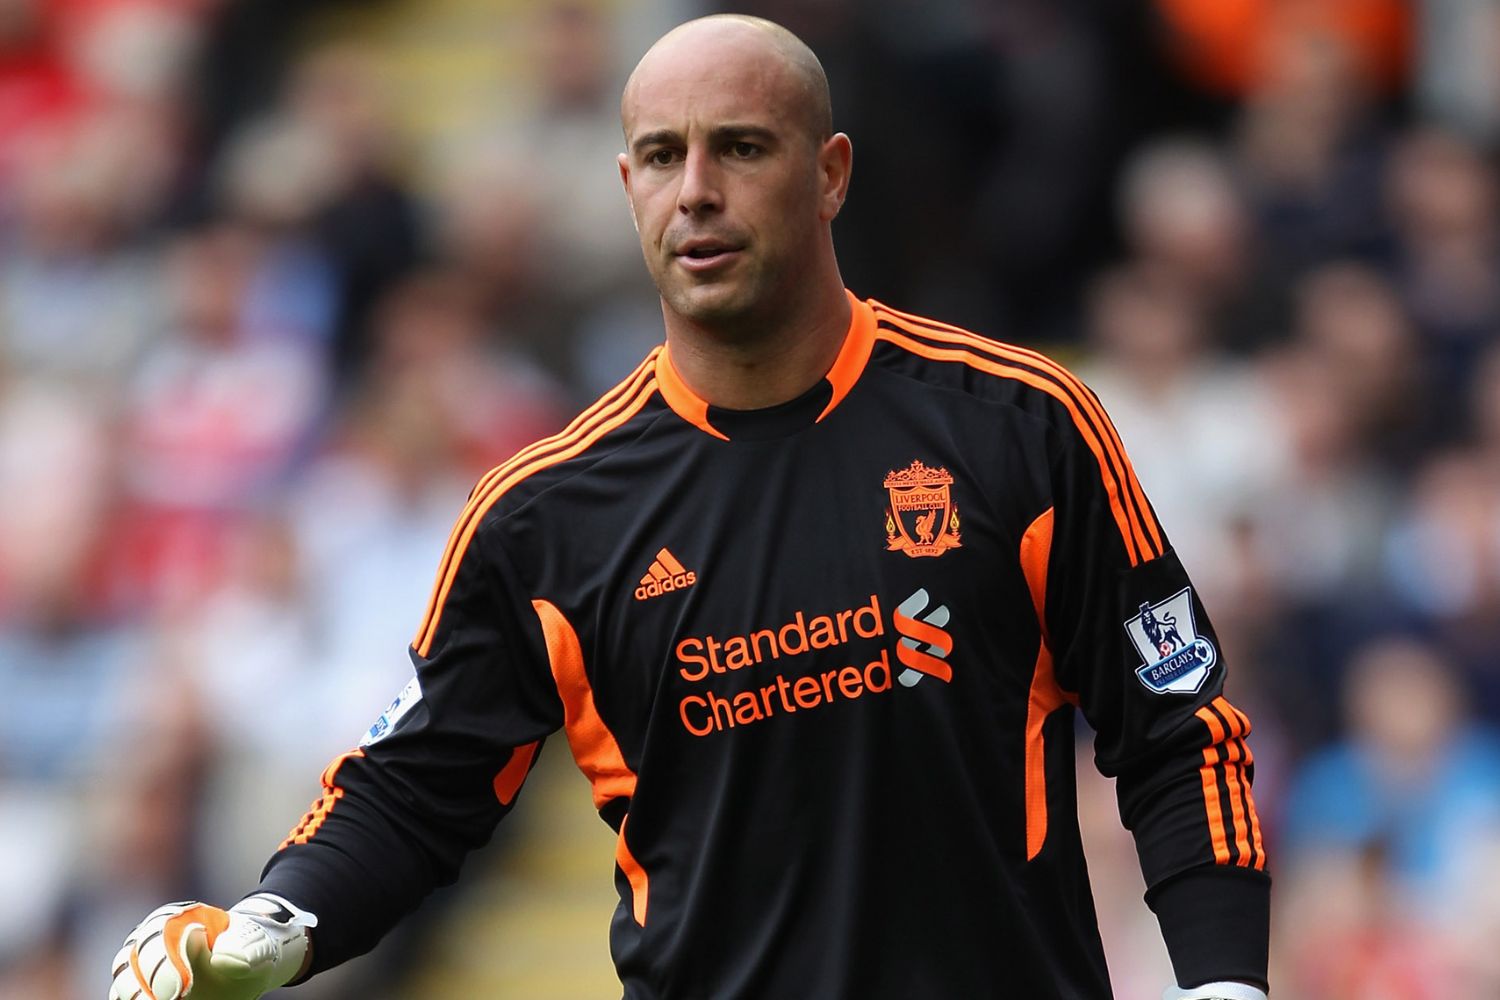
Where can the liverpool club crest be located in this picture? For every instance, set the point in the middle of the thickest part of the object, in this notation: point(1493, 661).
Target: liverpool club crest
point(922, 519)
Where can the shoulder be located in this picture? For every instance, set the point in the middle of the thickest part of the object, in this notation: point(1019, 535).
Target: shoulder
point(1080, 433)
point(945, 355)
point(610, 423)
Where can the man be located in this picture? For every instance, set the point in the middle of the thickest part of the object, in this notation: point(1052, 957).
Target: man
point(812, 593)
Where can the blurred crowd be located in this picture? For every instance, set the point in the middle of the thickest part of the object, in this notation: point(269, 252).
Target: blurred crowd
point(260, 332)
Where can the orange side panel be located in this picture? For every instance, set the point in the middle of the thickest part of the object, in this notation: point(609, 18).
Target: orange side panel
point(1046, 696)
point(1036, 556)
point(594, 746)
point(513, 774)
point(640, 887)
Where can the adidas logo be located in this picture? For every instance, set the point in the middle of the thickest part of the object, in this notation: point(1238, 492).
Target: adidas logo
point(666, 575)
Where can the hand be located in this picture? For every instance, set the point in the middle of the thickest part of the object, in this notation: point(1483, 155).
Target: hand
point(197, 951)
point(1215, 991)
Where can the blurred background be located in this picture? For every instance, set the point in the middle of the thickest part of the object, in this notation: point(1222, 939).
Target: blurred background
point(280, 278)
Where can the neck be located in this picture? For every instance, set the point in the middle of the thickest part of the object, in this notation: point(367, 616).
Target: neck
point(776, 361)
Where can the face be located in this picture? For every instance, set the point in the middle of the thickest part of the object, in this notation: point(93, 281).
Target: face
point(730, 191)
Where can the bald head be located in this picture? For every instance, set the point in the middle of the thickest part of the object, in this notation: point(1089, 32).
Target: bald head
point(732, 41)
point(734, 176)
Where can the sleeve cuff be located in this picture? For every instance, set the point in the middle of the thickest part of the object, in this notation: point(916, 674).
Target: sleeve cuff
point(1216, 922)
point(348, 921)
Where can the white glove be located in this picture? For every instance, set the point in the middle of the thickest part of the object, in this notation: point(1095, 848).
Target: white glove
point(1215, 991)
point(199, 951)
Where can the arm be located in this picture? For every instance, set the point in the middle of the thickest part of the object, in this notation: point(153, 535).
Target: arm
point(397, 814)
point(1129, 635)
point(436, 773)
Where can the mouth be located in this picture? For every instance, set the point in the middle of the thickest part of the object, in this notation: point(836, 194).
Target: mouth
point(700, 256)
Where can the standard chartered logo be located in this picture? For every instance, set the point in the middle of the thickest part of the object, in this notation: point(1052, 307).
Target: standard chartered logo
point(924, 645)
point(807, 675)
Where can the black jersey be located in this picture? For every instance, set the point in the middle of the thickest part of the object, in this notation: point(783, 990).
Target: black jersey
point(821, 664)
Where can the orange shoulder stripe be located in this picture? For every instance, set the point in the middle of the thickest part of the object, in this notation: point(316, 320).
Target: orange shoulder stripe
point(579, 425)
point(1143, 516)
point(517, 471)
point(1135, 542)
point(1093, 404)
point(595, 749)
point(1083, 393)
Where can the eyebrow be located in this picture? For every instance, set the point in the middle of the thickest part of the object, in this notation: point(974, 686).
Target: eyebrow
point(655, 138)
point(718, 134)
point(735, 132)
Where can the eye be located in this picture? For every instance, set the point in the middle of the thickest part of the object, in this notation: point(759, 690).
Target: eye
point(744, 150)
point(661, 157)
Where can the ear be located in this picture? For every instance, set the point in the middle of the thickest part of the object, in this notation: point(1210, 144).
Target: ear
point(835, 162)
point(624, 160)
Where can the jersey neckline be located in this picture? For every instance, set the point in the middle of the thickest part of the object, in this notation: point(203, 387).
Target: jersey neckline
point(783, 418)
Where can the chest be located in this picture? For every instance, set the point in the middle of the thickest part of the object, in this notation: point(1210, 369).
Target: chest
point(821, 576)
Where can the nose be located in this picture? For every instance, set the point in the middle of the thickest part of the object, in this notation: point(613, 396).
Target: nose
point(701, 191)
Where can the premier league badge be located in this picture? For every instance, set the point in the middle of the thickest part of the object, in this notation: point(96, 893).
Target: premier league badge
point(1177, 659)
point(405, 701)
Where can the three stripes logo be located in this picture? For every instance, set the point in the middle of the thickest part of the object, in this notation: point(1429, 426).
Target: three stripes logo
point(665, 575)
point(924, 646)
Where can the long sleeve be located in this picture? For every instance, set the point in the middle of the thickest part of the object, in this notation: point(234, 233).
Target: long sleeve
point(1132, 639)
point(437, 770)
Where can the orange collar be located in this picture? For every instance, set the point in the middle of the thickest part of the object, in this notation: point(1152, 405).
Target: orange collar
point(855, 352)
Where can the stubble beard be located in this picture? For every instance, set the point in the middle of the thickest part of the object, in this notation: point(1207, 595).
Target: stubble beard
point(734, 308)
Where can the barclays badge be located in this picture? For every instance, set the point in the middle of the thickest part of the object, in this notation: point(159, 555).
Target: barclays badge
point(1176, 659)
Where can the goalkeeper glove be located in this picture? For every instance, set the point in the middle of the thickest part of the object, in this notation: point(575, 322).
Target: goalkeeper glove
point(1215, 991)
point(200, 952)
